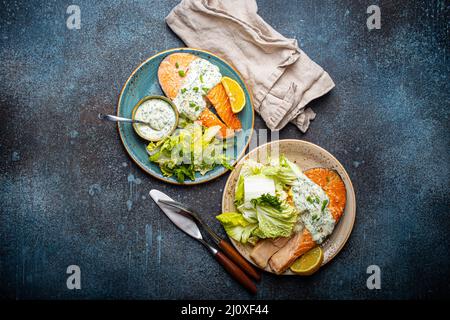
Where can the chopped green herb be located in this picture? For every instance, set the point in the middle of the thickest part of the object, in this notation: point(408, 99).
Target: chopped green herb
point(201, 78)
point(324, 204)
point(317, 200)
point(177, 65)
point(181, 73)
point(192, 104)
point(183, 90)
point(315, 217)
point(205, 90)
point(309, 199)
point(268, 199)
point(195, 89)
point(197, 108)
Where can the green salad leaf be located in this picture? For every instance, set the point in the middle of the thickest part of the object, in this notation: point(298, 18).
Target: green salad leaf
point(275, 218)
point(282, 171)
point(239, 193)
point(190, 149)
point(267, 215)
point(236, 226)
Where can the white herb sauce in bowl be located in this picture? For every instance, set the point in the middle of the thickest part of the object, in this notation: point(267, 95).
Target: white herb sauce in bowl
point(160, 113)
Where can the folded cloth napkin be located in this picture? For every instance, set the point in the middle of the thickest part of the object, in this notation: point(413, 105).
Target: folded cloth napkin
point(282, 78)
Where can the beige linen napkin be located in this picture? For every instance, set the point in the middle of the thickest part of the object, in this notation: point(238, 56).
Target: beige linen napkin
point(282, 78)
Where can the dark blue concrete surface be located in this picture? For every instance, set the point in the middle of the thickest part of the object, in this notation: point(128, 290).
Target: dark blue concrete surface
point(70, 195)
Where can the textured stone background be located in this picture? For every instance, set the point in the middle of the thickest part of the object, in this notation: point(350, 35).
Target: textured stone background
point(66, 179)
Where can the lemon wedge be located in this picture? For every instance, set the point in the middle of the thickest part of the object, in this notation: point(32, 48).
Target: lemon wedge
point(235, 93)
point(308, 263)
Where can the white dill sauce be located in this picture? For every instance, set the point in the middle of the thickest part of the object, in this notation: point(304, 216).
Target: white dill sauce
point(312, 202)
point(202, 76)
point(159, 114)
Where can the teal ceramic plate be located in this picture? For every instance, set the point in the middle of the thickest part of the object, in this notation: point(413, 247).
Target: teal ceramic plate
point(144, 82)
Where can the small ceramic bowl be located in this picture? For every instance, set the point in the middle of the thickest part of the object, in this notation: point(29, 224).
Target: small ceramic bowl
point(169, 102)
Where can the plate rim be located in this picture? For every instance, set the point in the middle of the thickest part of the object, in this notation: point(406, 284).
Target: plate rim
point(160, 177)
point(352, 190)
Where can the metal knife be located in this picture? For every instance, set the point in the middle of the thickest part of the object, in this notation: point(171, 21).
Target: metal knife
point(227, 248)
point(190, 227)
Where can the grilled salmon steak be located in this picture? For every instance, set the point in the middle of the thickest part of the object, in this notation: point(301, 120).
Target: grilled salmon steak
point(302, 241)
point(172, 71)
point(171, 75)
point(219, 99)
point(209, 119)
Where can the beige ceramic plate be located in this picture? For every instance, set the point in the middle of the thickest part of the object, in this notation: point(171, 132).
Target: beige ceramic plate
point(306, 155)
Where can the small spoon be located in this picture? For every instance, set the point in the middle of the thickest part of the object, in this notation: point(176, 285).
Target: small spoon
point(110, 117)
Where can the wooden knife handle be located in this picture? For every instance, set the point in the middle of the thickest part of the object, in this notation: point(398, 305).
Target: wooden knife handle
point(236, 272)
point(232, 253)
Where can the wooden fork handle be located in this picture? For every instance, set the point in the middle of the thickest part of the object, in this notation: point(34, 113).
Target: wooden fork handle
point(236, 272)
point(237, 258)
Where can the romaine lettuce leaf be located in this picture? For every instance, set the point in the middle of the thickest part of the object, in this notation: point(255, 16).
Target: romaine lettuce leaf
point(236, 226)
point(249, 214)
point(188, 150)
